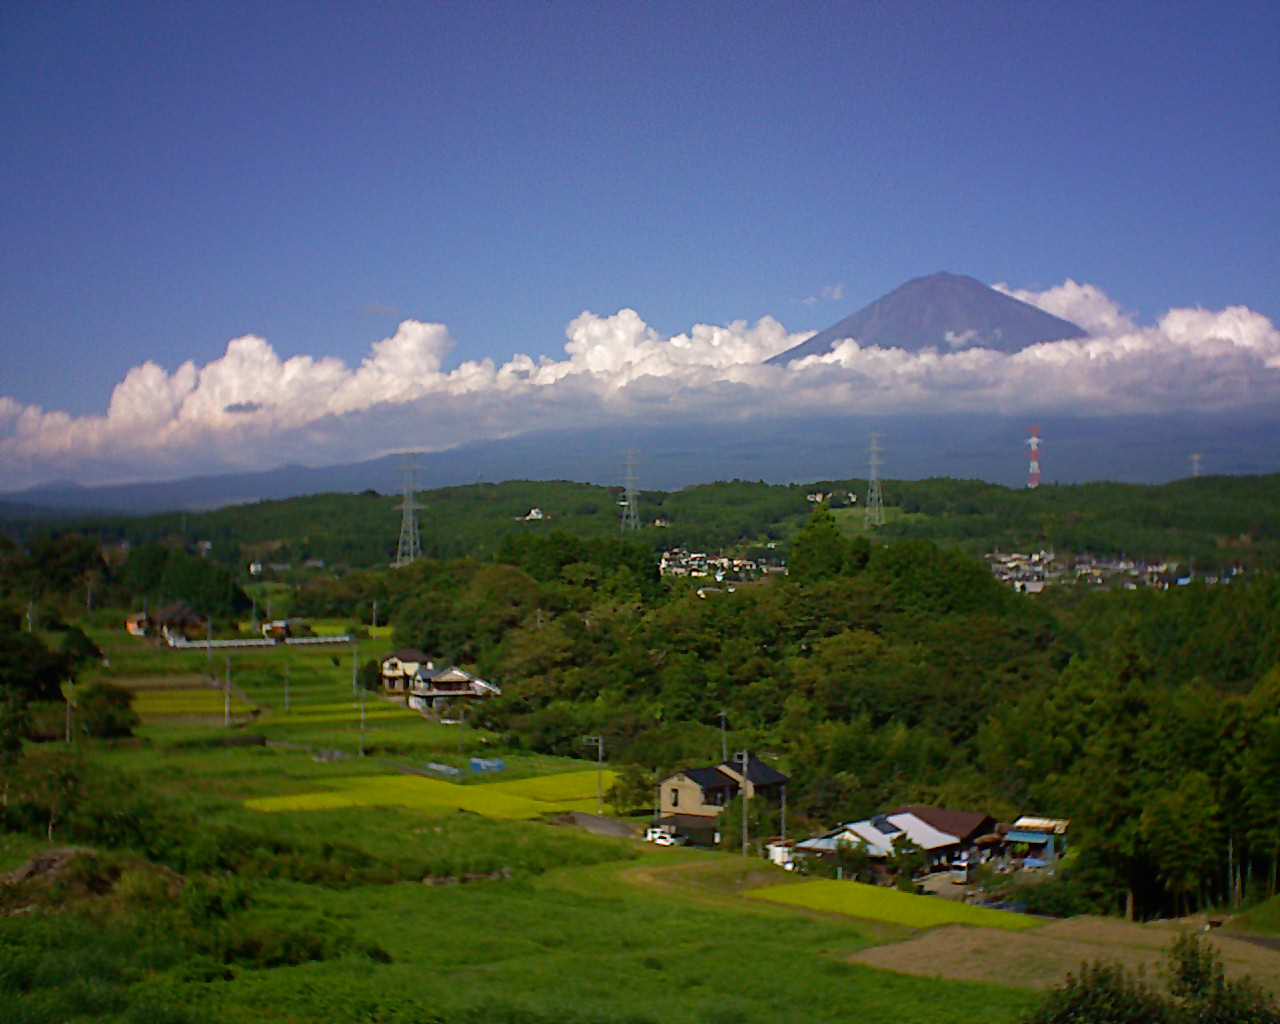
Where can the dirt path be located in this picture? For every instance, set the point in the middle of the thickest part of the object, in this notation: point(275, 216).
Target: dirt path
point(1042, 958)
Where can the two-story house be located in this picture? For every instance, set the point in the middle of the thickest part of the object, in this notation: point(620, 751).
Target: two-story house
point(399, 668)
point(690, 802)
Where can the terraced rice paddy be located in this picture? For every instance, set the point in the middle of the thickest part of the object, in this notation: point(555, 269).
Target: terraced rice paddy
point(568, 791)
point(154, 705)
point(879, 904)
point(511, 801)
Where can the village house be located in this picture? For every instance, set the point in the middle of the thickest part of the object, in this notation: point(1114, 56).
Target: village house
point(690, 802)
point(944, 836)
point(444, 690)
point(398, 669)
point(1042, 840)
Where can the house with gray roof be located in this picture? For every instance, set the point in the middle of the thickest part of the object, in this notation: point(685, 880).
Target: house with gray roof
point(690, 802)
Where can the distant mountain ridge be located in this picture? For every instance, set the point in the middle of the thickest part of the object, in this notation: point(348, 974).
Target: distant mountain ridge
point(1135, 449)
point(944, 311)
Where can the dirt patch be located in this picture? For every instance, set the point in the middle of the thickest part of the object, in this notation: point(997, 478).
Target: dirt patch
point(1042, 958)
point(67, 877)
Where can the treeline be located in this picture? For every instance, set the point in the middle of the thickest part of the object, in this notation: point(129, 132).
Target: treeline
point(59, 578)
point(1210, 522)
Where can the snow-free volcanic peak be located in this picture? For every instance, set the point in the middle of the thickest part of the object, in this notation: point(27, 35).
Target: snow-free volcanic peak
point(947, 312)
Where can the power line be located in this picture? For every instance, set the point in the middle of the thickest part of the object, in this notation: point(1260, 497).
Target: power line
point(630, 502)
point(409, 549)
point(1033, 470)
point(874, 514)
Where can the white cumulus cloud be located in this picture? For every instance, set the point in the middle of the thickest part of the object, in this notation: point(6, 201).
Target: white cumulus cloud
point(250, 408)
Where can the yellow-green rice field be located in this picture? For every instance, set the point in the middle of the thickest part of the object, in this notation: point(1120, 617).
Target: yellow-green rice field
point(435, 797)
point(879, 904)
point(185, 703)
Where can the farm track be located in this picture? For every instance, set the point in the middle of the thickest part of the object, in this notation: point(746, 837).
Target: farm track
point(1042, 958)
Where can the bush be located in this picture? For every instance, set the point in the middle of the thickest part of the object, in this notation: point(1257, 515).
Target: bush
point(106, 711)
point(1201, 994)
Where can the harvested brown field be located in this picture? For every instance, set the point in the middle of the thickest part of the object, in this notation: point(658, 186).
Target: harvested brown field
point(1042, 958)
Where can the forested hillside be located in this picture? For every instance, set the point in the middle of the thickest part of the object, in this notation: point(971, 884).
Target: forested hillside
point(1212, 522)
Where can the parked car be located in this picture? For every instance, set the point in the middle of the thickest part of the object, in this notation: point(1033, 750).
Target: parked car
point(661, 837)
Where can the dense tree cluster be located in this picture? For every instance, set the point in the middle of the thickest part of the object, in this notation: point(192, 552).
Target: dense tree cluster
point(1149, 719)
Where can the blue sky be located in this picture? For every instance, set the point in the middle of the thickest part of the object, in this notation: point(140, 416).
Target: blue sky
point(178, 175)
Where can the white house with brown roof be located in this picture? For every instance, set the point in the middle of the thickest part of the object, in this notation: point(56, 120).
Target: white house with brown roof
point(399, 668)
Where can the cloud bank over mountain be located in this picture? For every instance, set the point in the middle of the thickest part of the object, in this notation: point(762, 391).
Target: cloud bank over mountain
point(251, 409)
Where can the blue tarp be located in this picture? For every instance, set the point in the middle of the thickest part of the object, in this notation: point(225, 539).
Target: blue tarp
point(486, 764)
point(1029, 837)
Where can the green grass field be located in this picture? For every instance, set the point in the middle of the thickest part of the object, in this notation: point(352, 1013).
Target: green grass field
point(876, 903)
point(1264, 919)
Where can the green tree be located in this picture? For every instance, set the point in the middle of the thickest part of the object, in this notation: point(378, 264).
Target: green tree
point(855, 862)
point(15, 720)
point(906, 861)
point(1181, 829)
point(78, 648)
point(819, 551)
point(106, 711)
point(634, 789)
point(29, 668)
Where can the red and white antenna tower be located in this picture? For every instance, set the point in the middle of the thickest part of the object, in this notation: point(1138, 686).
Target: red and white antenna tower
point(1033, 474)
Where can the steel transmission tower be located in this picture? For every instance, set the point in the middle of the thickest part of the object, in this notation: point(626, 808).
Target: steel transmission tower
point(1195, 463)
point(408, 549)
point(1033, 471)
point(875, 500)
point(630, 502)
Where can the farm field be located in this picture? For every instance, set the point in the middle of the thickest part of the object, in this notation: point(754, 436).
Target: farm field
point(880, 904)
point(154, 705)
point(1041, 958)
point(435, 797)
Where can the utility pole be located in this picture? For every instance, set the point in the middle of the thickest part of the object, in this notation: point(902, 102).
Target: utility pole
point(598, 743)
point(355, 659)
point(784, 812)
point(724, 741)
point(226, 696)
point(745, 782)
point(69, 692)
point(208, 646)
point(375, 613)
point(362, 692)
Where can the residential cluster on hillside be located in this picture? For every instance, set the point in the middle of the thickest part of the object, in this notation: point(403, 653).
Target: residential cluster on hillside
point(1031, 573)
point(699, 564)
point(692, 801)
point(947, 839)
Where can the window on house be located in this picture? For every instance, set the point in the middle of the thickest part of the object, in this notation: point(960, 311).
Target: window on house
point(675, 798)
